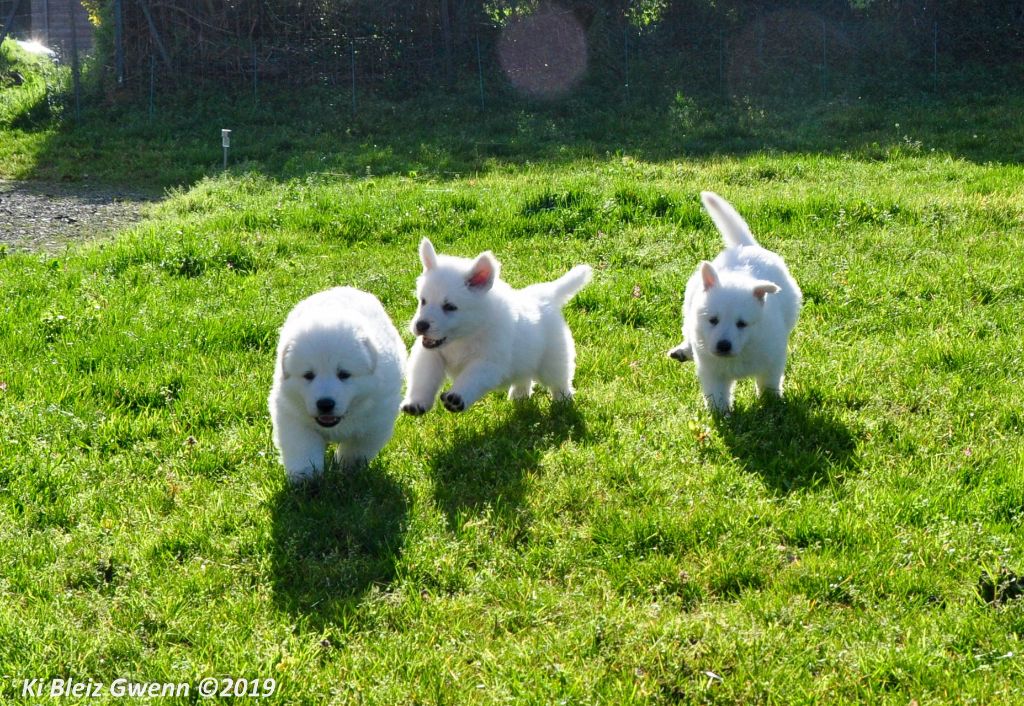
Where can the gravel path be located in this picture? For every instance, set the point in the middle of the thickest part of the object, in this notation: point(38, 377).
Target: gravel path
point(39, 216)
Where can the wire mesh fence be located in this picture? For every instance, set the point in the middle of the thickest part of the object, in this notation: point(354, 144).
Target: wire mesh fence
point(541, 50)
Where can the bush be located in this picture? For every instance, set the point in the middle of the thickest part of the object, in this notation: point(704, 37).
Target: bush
point(31, 87)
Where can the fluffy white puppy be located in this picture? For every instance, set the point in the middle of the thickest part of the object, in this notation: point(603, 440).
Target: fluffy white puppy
point(338, 379)
point(484, 335)
point(738, 312)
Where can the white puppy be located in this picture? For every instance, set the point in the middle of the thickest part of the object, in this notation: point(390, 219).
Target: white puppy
point(338, 379)
point(474, 328)
point(738, 312)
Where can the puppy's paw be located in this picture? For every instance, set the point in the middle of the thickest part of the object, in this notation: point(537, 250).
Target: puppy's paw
point(719, 409)
point(681, 353)
point(413, 408)
point(306, 484)
point(452, 402)
point(563, 395)
point(351, 463)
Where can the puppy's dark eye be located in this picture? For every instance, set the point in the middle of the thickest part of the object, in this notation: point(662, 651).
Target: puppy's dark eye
point(344, 375)
point(423, 302)
point(713, 321)
point(449, 307)
point(741, 324)
point(308, 375)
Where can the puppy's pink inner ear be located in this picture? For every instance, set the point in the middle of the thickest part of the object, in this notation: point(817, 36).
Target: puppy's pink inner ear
point(708, 275)
point(482, 274)
point(479, 278)
point(763, 289)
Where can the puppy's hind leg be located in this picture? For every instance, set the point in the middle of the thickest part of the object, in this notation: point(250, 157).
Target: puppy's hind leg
point(521, 390)
point(558, 365)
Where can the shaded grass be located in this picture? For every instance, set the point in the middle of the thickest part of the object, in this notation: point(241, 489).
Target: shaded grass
point(627, 549)
point(293, 134)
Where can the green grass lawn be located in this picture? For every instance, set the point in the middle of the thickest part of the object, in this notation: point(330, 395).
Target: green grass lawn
point(628, 549)
point(631, 549)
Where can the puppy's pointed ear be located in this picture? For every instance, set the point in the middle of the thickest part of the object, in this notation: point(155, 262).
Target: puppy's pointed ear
point(483, 272)
point(708, 275)
point(427, 254)
point(762, 289)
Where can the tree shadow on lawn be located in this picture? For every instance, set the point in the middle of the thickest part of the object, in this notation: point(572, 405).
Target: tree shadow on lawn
point(791, 443)
point(432, 138)
point(334, 539)
point(487, 467)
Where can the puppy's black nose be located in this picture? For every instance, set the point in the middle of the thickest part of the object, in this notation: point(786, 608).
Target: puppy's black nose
point(325, 404)
point(422, 326)
point(723, 346)
point(677, 354)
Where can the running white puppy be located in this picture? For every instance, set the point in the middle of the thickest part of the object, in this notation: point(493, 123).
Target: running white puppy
point(738, 312)
point(338, 379)
point(474, 328)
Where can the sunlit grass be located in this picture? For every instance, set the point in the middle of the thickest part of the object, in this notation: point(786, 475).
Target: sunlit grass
point(631, 549)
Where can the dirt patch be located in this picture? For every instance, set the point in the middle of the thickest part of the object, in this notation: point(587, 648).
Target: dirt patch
point(39, 216)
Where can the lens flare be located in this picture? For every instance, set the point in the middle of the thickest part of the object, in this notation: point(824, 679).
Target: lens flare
point(544, 54)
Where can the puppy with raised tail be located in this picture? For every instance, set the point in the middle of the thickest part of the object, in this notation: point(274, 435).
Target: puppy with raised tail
point(474, 328)
point(738, 312)
point(338, 379)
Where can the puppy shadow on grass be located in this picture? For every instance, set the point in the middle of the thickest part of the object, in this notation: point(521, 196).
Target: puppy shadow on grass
point(791, 443)
point(486, 465)
point(336, 538)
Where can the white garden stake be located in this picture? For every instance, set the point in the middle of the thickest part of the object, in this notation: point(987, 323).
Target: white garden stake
point(225, 141)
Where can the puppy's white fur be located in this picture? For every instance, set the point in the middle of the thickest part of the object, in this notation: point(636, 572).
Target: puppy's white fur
point(338, 379)
point(474, 328)
point(738, 312)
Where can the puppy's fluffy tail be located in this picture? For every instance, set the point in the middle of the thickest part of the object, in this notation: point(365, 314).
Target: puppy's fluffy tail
point(565, 287)
point(730, 223)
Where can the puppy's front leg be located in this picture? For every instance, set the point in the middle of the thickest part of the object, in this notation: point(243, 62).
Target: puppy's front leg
point(769, 384)
point(473, 383)
point(302, 452)
point(362, 449)
point(682, 352)
point(717, 393)
point(426, 373)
